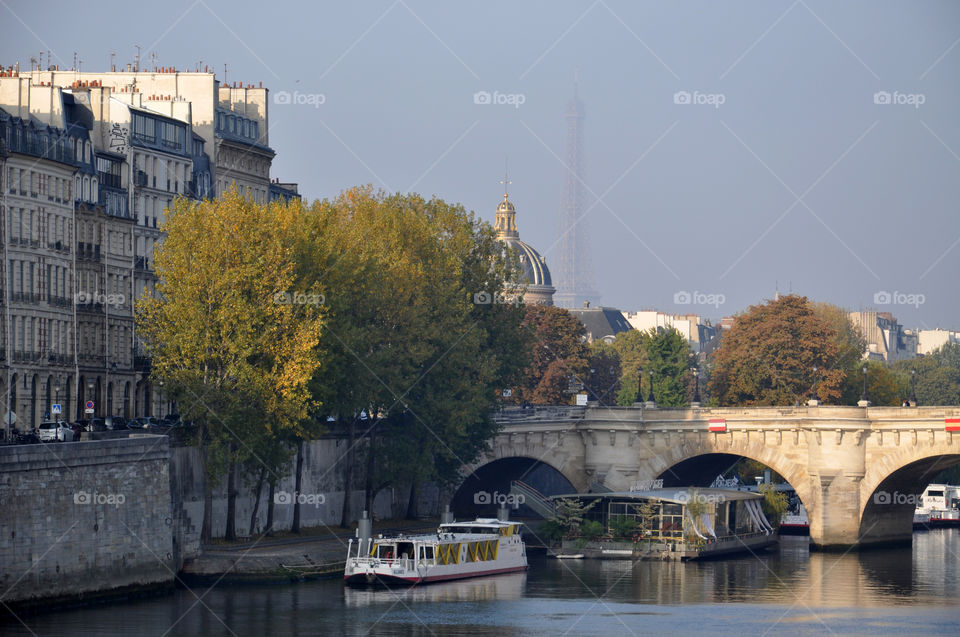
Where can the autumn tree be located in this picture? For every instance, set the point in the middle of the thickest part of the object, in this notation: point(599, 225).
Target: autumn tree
point(769, 355)
point(559, 356)
point(226, 336)
point(412, 363)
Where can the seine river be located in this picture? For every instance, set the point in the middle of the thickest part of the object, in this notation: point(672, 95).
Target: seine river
point(789, 591)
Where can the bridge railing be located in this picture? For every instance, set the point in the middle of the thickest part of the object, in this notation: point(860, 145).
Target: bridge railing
point(550, 413)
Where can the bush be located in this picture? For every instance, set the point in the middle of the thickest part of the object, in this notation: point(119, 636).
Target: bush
point(552, 530)
point(591, 529)
point(622, 526)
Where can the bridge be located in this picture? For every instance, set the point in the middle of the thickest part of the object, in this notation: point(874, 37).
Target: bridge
point(857, 470)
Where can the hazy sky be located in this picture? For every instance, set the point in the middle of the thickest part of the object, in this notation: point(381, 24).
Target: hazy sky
point(798, 178)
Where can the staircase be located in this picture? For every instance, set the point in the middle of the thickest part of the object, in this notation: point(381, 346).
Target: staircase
point(533, 499)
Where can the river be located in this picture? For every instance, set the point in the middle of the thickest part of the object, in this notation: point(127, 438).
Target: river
point(787, 591)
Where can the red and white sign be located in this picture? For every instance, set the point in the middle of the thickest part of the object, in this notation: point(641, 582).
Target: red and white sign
point(718, 425)
point(951, 424)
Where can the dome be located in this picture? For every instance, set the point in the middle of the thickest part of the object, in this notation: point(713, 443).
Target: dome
point(534, 274)
point(532, 266)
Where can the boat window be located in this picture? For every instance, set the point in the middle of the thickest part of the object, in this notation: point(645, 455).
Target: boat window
point(935, 494)
point(426, 552)
point(405, 549)
point(386, 551)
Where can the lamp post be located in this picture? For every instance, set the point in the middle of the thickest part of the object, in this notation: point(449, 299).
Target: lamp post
point(651, 400)
point(814, 401)
point(696, 388)
point(639, 385)
point(160, 406)
point(864, 401)
point(90, 396)
point(913, 388)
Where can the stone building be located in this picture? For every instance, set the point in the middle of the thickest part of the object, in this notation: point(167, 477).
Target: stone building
point(89, 163)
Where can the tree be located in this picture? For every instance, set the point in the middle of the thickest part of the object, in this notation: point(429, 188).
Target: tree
point(603, 380)
point(937, 375)
point(665, 353)
point(224, 336)
point(884, 385)
point(558, 355)
point(768, 356)
point(406, 344)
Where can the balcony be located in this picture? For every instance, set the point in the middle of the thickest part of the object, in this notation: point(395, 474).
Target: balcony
point(24, 297)
point(59, 301)
point(26, 357)
point(60, 359)
point(141, 263)
point(88, 251)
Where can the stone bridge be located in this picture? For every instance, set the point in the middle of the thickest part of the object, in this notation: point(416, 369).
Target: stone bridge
point(856, 470)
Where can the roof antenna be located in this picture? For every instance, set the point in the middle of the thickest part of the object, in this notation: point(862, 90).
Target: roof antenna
point(224, 73)
point(136, 60)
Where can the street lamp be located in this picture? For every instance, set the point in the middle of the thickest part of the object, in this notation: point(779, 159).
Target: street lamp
point(863, 396)
point(913, 388)
point(696, 386)
point(90, 396)
point(816, 378)
point(651, 399)
point(161, 399)
point(639, 384)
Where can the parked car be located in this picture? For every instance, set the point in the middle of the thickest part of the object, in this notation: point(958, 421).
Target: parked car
point(170, 420)
point(144, 422)
point(116, 423)
point(97, 424)
point(54, 431)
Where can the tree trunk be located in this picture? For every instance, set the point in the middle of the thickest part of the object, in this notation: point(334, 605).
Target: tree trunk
point(412, 502)
point(273, 487)
point(295, 527)
point(346, 515)
point(256, 500)
point(206, 528)
point(231, 533)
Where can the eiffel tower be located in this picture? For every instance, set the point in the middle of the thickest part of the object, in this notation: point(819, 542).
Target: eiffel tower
point(575, 284)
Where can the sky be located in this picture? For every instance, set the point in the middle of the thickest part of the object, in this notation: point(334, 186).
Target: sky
point(731, 149)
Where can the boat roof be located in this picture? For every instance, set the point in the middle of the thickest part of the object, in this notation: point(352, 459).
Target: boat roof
point(678, 495)
point(490, 523)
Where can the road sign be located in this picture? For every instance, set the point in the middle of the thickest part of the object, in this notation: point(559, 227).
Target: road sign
point(55, 409)
point(89, 407)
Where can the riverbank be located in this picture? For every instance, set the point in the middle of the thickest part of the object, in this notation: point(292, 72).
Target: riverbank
point(316, 553)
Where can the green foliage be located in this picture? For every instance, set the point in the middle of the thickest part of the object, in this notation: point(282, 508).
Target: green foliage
point(774, 503)
point(622, 526)
point(664, 352)
point(552, 530)
point(570, 513)
point(768, 357)
point(884, 385)
point(603, 379)
point(591, 529)
point(937, 376)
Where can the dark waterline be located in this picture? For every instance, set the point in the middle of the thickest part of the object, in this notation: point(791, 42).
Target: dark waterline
point(910, 591)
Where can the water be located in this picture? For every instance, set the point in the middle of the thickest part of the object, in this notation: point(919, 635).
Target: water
point(788, 591)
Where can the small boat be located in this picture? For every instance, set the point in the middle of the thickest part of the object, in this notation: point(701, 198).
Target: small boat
point(794, 521)
point(458, 550)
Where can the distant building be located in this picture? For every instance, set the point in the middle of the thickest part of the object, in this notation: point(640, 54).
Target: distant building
point(929, 341)
point(697, 331)
point(886, 339)
point(602, 323)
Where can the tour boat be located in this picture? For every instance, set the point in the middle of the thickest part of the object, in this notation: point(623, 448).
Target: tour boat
point(941, 503)
point(458, 550)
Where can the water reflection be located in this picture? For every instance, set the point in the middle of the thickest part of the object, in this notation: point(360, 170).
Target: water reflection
point(908, 590)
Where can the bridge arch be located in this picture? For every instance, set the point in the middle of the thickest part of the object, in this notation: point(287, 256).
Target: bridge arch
point(890, 487)
point(477, 493)
point(664, 463)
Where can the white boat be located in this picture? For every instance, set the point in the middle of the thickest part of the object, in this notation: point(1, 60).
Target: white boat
point(941, 504)
point(458, 550)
